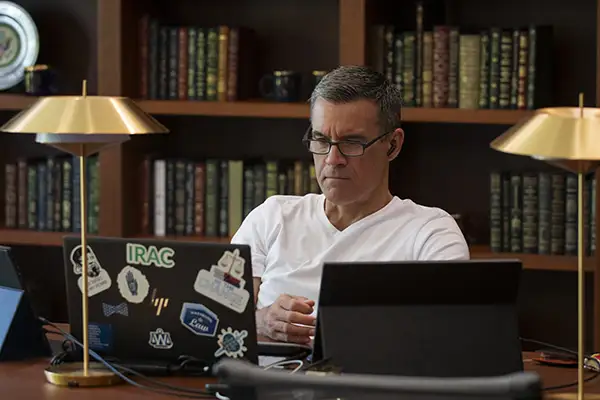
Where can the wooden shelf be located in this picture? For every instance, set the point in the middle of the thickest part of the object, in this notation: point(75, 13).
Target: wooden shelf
point(264, 109)
point(15, 101)
point(37, 238)
point(253, 109)
point(534, 261)
point(464, 116)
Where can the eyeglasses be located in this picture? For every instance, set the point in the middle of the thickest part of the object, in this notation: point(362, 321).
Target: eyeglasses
point(348, 148)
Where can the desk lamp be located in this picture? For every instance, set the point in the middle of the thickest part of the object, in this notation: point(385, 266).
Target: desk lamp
point(82, 126)
point(567, 137)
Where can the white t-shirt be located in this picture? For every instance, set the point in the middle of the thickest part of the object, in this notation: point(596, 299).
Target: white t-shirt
point(290, 238)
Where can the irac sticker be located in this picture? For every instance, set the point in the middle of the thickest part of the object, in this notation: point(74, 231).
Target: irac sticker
point(199, 319)
point(224, 283)
point(133, 285)
point(98, 278)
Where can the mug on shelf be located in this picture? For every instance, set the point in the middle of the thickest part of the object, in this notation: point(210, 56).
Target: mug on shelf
point(284, 86)
point(39, 80)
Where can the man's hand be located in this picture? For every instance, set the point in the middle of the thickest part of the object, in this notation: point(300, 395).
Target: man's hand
point(278, 320)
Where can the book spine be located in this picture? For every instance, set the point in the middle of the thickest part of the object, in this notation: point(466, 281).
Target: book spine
point(212, 64)
point(189, 197)
point(495, 34)
point(10, 196)
point(557, 241)
point(408, 76)
point(179, 198)
point(571, 211)
point(199, 198)
point(506, 50)
point(182, 64)
point(211, 211)
point(22, 194)
point(67, 196)
point(163, 63)
point(223, 205)
point(201, 64)
point(496, 212)
point(453, 67)
point(441, 66)
point(160, 198)
point(173, 68)
point(516, 213)
point(470, 48)
point(427, 69)
point(484, 70)
point(545, 213)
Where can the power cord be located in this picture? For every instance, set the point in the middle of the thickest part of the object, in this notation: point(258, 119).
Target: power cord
point(117, 369)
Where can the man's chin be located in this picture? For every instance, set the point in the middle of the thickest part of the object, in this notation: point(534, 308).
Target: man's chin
point(339, 196)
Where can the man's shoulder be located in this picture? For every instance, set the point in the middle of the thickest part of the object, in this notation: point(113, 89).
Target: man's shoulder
point(422, 213)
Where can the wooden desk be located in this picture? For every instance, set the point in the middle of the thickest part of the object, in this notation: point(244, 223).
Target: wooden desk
point(25, 380)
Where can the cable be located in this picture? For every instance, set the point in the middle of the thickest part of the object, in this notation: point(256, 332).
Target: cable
point(594, 369)
point(283, 363)
point(183, 392)
point(555, 347)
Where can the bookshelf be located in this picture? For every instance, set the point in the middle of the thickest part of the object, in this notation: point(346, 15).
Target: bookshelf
point(442, 144)
point(15, 101)
point(263, 109)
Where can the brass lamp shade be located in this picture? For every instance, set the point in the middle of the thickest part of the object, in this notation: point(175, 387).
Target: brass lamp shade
point(84, 115)
point(568, 137)
point(82, 125)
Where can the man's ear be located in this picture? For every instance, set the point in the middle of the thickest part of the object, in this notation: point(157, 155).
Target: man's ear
point(396, 141)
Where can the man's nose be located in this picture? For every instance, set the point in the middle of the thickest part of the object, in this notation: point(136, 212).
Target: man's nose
point(335, 157)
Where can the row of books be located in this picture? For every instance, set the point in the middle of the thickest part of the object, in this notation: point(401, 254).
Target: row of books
point(196, 63)
point(496, 68)
point(537, 213)
point(212, 197)
point(44, 195)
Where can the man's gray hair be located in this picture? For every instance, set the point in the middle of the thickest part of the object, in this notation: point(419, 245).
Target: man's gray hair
point(350, 83)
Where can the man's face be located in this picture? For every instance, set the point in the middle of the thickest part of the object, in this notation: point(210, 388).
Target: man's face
point(345, 180)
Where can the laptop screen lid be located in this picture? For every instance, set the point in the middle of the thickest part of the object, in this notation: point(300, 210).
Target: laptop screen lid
point(152, 301)
point(432, 318)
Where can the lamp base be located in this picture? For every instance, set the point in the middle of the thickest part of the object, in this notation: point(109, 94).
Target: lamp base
point(71, 375)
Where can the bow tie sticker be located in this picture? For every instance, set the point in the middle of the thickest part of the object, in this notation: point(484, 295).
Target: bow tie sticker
point(109, 310)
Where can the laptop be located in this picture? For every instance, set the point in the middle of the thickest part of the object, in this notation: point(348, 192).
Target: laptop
point(21, 333)
point(431, 318)
point(154, 301)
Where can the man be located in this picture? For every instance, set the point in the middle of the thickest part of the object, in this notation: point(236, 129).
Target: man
point(354, 134)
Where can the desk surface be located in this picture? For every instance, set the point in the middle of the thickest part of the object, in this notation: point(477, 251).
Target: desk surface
point(25, 380)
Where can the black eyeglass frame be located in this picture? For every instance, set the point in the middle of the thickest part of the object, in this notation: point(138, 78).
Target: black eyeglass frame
point(307, 138)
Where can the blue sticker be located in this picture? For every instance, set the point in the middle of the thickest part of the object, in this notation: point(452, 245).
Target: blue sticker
point(199, 319)
point(100, 336)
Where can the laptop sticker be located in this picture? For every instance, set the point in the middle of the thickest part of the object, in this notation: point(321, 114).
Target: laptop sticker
point(160, 303)
point(100, 336)
point(138, 254)
point(199, 319)
point(231, 343)
point(120, 309)
point(133, 285)
point(98, 278)
point(160, 339)
point(224, 283)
